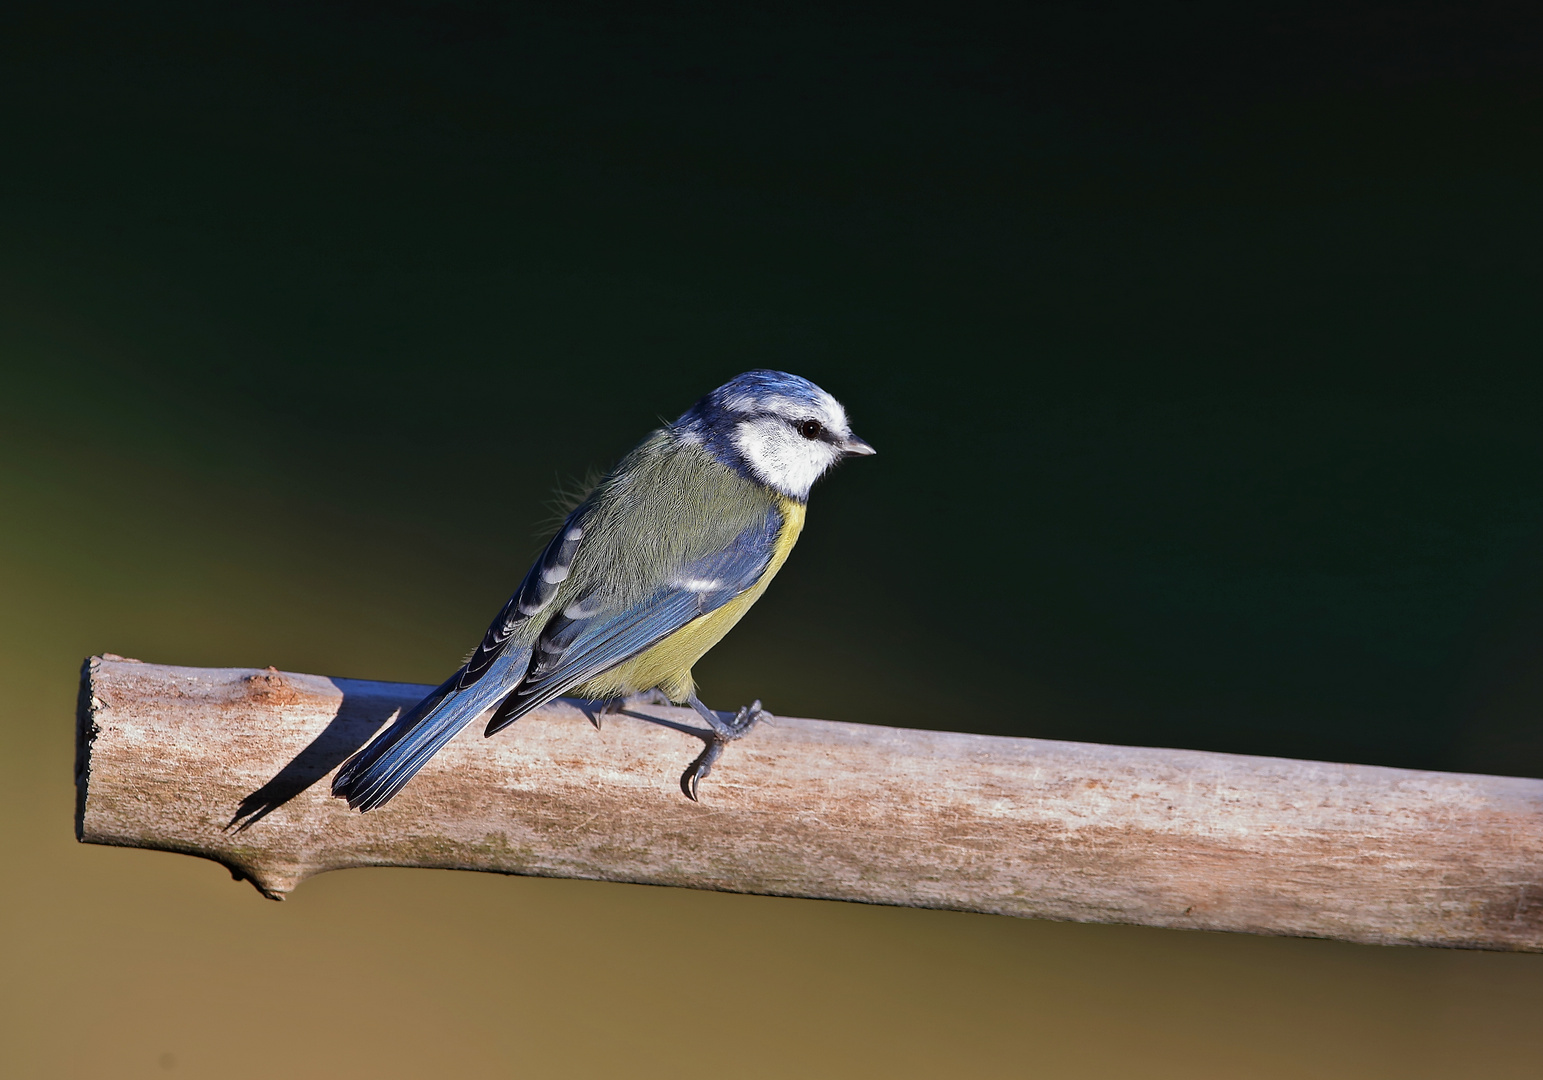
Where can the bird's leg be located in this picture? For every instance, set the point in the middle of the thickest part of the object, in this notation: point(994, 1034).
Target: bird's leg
point(723, 733)
point(621, 704)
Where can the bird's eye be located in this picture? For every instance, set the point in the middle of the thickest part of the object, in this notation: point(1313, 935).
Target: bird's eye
point(811, 429)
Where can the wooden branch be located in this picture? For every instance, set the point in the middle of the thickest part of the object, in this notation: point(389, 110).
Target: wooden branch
point(233, 765)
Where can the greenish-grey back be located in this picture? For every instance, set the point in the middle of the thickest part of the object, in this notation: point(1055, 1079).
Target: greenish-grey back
point(666, 504)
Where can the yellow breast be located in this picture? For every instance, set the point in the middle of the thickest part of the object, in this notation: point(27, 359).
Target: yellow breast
point(668, 664)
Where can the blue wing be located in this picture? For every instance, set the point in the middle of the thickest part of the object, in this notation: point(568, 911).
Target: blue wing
point(580, 643)
point(377, 772)
point(575, 645)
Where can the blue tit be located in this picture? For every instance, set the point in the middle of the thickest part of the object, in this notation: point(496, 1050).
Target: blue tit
point(657, 563)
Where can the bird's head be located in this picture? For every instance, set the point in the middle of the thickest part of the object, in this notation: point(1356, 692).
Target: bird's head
point(778, 428)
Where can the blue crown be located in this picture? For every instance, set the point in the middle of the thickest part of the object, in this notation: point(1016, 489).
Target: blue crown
point(746, 395)
point(711, 420)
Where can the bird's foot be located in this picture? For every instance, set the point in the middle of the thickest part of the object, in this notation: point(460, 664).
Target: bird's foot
point(723, 732)
point(598, 714)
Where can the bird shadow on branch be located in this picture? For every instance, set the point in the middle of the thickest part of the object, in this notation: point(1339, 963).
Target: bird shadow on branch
point(360, 715)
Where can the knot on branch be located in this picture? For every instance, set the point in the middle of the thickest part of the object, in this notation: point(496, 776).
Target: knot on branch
point(269, 687)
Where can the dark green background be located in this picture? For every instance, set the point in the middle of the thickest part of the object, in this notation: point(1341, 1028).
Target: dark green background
point(1199, 343)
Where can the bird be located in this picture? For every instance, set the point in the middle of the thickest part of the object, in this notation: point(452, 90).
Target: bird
point(652, 568)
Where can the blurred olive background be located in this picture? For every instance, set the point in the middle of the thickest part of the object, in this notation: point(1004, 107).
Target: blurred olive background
point(1199, 342)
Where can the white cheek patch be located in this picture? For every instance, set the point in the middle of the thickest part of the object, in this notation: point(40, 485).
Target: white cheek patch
point(782, 459)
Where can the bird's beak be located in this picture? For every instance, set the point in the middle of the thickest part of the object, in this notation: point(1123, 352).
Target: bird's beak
point(852, 446)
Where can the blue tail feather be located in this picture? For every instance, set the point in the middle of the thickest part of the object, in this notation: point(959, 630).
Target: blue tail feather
point(372, 776)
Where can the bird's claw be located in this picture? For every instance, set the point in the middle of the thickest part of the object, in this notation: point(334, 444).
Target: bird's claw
point(597, 715)
point(746, 719)
point(699, 768)
point(613, 706)
point(723, 732)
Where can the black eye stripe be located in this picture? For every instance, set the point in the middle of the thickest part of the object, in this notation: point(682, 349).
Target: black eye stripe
point(810, 428)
